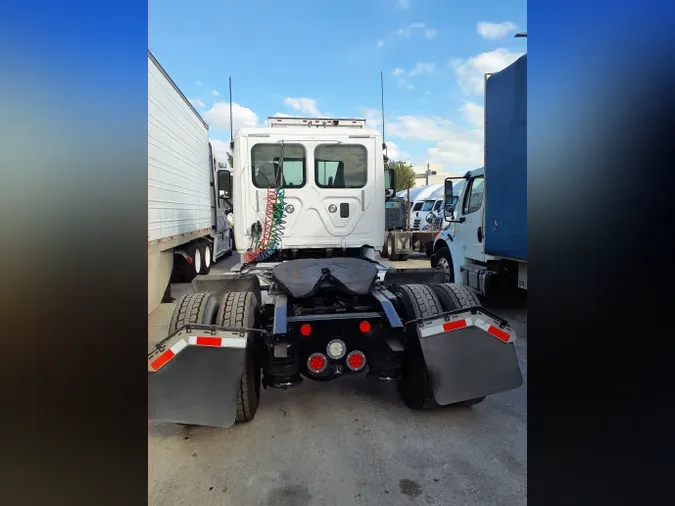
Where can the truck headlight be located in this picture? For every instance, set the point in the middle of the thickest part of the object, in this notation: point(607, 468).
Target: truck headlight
point(230, 218)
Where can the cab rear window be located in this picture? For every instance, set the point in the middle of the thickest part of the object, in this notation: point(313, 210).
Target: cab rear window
point(340, 166)
point(265, 160)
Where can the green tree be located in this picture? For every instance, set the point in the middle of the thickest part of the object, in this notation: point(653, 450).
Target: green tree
point(405, 175)
point(230, 162)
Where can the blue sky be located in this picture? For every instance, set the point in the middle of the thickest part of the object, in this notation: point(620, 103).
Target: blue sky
point(323, 57)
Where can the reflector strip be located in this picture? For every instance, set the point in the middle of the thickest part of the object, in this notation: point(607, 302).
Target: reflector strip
point(168, 354)
point(219, 342)
point(442, 327)
point(459, 324)
point(494, 331)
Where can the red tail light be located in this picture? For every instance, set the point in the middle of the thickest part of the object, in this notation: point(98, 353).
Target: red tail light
point(317, 363)
point(356, 360)
point(365, 326)
point(305, 329)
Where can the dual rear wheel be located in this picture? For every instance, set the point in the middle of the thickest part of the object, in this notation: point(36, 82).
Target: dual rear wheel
point(234, 309)
point(420, 301)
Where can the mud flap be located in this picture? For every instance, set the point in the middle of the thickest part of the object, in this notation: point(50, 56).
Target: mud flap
point(469, 354)
point(194, 379)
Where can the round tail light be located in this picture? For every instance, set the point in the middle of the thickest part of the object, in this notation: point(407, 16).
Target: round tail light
point(356, 360)
point(317, 363)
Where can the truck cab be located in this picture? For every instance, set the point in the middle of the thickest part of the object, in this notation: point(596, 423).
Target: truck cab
point(325, 180)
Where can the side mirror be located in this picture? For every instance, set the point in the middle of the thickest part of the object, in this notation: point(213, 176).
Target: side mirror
point(389, 183)
point(224, 184)
point(449, 208)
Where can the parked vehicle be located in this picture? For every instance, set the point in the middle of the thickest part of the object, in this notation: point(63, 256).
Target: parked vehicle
point(187, 225)
point(309, 300)
point(485, 244)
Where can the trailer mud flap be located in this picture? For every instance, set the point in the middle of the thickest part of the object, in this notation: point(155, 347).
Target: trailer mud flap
point(194, 378)
point(469, 354)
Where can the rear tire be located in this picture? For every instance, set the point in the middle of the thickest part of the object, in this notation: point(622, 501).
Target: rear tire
point(419, 301)
point(454, 296)
point(194, 308)
point(403, 258)
point(206, 251)
point(240, 309)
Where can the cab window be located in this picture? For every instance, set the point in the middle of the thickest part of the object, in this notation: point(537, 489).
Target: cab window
point(417, 206)
point(340, 166)
point(473, 200)
point(265, 160)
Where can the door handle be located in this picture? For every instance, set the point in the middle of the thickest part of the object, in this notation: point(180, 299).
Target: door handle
point(480, 234)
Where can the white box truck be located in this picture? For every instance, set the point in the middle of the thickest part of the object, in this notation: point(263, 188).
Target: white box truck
point(188, 224)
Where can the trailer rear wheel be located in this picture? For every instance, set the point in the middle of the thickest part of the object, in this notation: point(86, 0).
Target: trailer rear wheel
point(206, 251)
point(194, 308)
point(240, 309)
point(419, 301)
point(455, 296)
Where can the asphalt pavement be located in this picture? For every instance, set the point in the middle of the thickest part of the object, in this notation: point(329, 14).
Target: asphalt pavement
point(347, 442)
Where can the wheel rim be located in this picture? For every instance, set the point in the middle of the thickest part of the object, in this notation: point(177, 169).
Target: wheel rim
point(207, 256)
point(198, 261)
point(444, 265)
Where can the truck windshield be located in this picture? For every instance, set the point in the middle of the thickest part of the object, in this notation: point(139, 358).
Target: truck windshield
point(428, 204)
point(417, 206)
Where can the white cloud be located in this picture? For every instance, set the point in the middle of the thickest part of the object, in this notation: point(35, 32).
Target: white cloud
point(304, 105)
point(409, 86)
point(474, 113)
point(492, 31)
point(197, 102)
point(380, 43)
point(403, 4)
point(215, 93)
point(220, 149)
point(414, 28)
point(471, 73)
point(422, 68)
point(398, 71)
point(219, 116)
point(456, 148)
point(198, 83)
point(285, 115)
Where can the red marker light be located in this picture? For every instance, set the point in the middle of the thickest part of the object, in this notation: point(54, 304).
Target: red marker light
point(365, 326)
point(305, 329)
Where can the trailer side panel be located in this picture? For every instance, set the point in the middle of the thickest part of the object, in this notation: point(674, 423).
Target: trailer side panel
point(506, 162)
point(180, 195)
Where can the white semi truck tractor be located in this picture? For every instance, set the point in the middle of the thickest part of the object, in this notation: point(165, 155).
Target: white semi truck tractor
point(310, 301)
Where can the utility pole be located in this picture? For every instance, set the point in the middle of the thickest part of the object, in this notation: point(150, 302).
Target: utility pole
point(427, 175)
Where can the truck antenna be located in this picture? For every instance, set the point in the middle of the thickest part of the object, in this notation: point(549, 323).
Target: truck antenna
point(382, 97)
point(231, 127)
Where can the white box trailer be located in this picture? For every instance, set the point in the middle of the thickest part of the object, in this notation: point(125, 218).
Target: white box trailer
point(188, 227)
